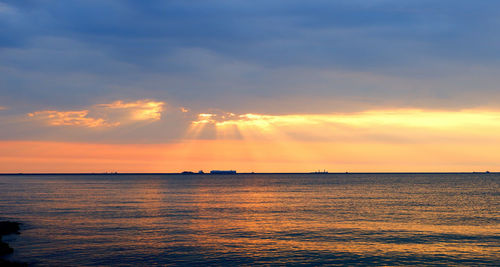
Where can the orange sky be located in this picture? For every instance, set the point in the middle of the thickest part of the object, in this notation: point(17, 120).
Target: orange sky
point(245, 157)
point(384, 140)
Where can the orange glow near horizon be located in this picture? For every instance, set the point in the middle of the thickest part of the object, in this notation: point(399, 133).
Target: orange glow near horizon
point(378, 141)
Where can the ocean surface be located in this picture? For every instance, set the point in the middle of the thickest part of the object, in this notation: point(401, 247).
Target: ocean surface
point(254, 219)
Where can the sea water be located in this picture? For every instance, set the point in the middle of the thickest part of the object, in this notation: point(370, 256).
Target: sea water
point(254, 219)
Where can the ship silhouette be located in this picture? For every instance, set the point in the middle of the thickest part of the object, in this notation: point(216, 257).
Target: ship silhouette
point(222, 172)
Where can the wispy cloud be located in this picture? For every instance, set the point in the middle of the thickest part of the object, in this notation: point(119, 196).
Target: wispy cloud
point(215, 118)
point(70, 118)
point(139, 110)
point(3, 108)
point(103, 115)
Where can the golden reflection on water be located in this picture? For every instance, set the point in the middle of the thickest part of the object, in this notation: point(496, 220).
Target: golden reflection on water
point(258, 217)
point(262, 214)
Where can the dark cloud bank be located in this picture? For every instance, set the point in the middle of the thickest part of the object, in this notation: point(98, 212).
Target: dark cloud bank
point(250, 56)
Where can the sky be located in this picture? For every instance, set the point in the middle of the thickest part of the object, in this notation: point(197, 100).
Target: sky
point(264, 86)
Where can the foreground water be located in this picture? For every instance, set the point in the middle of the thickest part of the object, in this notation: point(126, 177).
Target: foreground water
point(334, 219)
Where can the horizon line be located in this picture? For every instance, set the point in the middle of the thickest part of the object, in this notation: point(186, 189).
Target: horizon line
point(208, 173)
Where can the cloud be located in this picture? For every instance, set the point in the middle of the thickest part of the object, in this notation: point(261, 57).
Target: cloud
point(139, 110)
point(70, 118)
point(352, 34)
point(3, 108)
point(103, 115)
point(214, 118)
point(138, 121)
point(273, 55)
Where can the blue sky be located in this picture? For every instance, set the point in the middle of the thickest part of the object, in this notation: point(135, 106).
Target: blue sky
point(266, 57)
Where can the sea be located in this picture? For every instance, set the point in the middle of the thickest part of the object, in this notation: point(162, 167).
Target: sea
point(254, 219)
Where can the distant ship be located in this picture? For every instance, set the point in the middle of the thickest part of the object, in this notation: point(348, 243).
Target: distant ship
point(190, 172)
point(222, 172)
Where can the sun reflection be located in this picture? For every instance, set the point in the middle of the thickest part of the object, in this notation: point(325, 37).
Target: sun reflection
point(279, 221)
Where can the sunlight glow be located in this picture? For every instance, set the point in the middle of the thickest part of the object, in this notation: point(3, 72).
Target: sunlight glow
point(385, 125)
point(397, 124)
point(383, 140)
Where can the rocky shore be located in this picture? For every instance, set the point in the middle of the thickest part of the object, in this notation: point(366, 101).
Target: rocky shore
point(7, 228)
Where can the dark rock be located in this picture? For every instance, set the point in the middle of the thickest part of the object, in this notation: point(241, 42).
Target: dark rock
point(5, 249)
point(5, 263)
point(7, 228)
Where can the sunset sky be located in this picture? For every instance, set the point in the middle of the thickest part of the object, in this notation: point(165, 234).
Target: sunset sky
point(264, 86)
